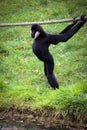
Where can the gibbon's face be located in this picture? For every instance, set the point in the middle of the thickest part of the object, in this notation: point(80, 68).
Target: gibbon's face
point(35, 34)
point(36, 30)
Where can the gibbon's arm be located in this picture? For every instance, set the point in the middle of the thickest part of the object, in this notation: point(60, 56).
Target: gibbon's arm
point(68, 27)
point(63, 37)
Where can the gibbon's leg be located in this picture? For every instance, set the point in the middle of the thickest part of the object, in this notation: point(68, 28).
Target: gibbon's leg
point(51, 77)
point(45, 70)
point(48, 70)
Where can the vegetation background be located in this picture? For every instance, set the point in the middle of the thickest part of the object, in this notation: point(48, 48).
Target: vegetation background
point(22, 80)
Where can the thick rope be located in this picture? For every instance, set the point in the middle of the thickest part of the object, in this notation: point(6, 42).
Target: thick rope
point(40, 22)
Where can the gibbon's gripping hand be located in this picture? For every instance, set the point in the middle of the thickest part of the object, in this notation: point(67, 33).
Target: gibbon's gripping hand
point(74, 20)
point(82, 18)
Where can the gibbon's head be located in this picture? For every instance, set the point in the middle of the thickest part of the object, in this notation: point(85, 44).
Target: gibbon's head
point(36, 31)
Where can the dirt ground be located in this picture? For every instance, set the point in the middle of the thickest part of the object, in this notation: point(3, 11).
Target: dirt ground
point(46, 119)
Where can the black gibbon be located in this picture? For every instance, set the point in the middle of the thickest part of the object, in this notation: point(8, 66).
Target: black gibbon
point(42, 41)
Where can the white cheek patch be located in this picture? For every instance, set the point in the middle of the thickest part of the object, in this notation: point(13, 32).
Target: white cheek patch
point(36, 34)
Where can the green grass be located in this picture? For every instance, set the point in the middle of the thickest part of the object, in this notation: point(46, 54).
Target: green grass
point(66, 101)
point(22, 80)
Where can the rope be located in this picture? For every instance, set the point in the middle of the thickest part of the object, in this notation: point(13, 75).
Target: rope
point(40, 22)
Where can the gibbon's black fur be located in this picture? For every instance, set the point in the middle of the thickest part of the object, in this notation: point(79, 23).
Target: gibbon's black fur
point(42, 41)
